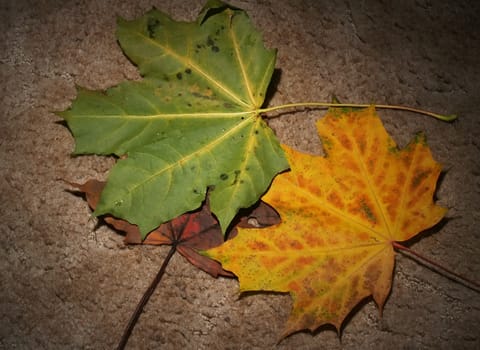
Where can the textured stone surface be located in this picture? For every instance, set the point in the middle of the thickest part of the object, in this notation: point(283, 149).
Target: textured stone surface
point(65, 285)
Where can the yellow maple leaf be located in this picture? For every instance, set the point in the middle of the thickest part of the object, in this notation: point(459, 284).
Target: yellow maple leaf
point(340, 216)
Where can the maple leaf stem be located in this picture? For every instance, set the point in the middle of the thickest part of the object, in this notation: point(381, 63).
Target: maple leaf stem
point(146, 296)
point(446, 118)
point(452, 275)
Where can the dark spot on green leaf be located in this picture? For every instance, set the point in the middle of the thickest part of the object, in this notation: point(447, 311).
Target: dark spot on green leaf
point(179, 76)
point(188, 71)
point(237, 173)
point(210, 41)
point(152, 25)
point(223, 177)
point(256, 132)
point(196, 94)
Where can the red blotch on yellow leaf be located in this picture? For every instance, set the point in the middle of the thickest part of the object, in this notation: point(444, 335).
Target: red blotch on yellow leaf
point(340, 215)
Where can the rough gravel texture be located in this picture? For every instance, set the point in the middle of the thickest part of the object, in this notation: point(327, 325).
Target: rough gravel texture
point(65, 285)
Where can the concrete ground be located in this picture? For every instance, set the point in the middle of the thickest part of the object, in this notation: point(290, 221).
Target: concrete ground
point(64, 285)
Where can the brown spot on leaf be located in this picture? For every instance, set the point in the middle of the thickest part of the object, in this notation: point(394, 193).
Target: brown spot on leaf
point(295, 244)
point(258, 246)
point(335, 199)
point(400, 179)
point(418, 178)
point(345, 142)
point(273, 262)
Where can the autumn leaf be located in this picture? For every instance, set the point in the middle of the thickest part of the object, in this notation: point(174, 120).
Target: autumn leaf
point(340, 216)
point(190, 233)
point(190, 124)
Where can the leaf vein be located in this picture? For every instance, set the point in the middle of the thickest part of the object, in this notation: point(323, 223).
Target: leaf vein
point(187, 62)
point(205, 149)
point(246, 81)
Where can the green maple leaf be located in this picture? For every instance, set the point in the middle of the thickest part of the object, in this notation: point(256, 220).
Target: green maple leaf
point(190, 124)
